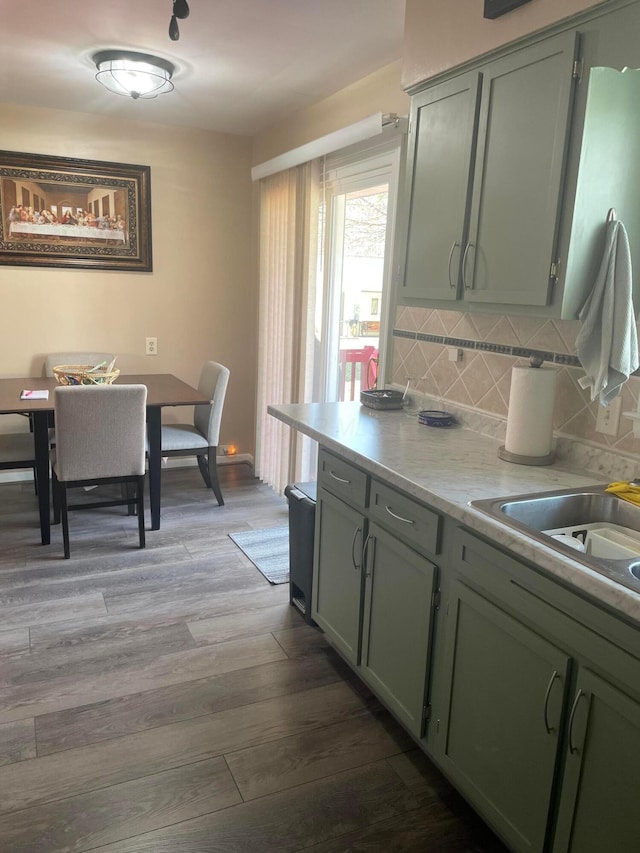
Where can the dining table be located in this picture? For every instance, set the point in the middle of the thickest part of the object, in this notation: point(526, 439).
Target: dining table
point(163, 390)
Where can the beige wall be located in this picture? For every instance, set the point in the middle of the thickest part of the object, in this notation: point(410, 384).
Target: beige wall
point(199, 300)
point(378, 92)
point(438, 36)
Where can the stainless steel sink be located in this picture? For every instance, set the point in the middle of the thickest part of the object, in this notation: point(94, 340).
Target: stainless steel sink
point(534, 513)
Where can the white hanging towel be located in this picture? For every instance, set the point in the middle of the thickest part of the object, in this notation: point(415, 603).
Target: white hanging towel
point(607, 343)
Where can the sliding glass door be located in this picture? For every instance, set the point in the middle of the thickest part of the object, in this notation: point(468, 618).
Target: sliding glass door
point(353, 303)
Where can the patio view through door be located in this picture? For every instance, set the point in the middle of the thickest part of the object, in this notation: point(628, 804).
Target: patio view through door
point(353, 291)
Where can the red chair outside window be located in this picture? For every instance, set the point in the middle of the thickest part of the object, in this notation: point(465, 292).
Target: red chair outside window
point(366, 357)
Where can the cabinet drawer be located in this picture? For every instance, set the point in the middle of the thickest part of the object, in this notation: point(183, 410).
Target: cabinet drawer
point(342, 479)
point(411, 520)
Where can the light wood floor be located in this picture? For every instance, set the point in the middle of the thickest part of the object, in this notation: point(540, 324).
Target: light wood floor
point(170, 699)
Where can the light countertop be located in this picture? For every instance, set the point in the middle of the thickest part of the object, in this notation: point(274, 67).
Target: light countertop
point(448, 467)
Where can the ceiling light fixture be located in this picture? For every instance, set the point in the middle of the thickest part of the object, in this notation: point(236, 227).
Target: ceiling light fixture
point(181, 11)
point(136, 75)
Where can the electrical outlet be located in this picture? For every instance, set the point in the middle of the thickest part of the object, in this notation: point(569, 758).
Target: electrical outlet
point(151, 347)
point(608, 418)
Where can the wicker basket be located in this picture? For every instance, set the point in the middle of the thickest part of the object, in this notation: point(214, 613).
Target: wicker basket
point(84, 374)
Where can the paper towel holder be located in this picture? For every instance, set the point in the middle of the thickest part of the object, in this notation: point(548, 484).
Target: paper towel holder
point(519, 459)
point(535, 361)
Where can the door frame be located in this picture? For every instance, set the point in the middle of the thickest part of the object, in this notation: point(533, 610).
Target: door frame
point(343, 175)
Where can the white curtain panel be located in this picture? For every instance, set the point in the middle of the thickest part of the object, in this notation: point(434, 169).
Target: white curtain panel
point(289, 204)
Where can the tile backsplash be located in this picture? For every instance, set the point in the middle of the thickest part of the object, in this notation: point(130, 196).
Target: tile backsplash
point(491, 345)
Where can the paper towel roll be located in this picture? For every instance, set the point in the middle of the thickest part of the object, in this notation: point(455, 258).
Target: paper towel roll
point(530, 418)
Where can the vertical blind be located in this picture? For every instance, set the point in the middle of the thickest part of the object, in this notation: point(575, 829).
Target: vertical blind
point(288, 240)
point(290, 203)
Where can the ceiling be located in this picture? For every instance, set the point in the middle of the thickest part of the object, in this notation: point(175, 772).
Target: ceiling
point(241, 65)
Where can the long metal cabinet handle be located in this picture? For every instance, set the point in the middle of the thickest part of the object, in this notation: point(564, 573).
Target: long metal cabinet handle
point(452, 284)
point(464, 266)
point(398, 517)
point(353, 549)
point(549, 728)
point(365, 554)
point(339, 479)
point(573, 749)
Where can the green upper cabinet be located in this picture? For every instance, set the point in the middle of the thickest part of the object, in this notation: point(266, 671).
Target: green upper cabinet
point(440, 167)
point(522, 141)
point(513, 166)
point(486, 168)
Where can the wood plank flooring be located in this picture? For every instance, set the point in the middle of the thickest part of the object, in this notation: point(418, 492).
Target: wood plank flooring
point(170, 700)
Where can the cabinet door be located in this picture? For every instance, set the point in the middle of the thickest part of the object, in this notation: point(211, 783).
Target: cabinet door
point(398, 617)
point(504, 715)
point(443, 128)
point(337, 573)
point(522, 141)
point(599, 807)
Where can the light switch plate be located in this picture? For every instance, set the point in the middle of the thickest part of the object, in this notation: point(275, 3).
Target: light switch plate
point(608, 418)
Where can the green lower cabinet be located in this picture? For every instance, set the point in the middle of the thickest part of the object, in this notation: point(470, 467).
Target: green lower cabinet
point(337, 576)
point(398, 618)
point(504, 715)
point(600, 799)
point(534, 690)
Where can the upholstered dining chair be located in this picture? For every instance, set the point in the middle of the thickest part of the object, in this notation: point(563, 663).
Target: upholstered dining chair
point(100, 438)
point(200, 439)
point(55, 359)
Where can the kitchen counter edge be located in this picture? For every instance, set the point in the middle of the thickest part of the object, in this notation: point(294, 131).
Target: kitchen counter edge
point(446, 468)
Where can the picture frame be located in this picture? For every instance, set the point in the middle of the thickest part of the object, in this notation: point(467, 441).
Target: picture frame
point(67, 212)
point(495, 8)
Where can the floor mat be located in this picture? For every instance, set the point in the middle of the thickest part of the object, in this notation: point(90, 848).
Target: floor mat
point(268, 550)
